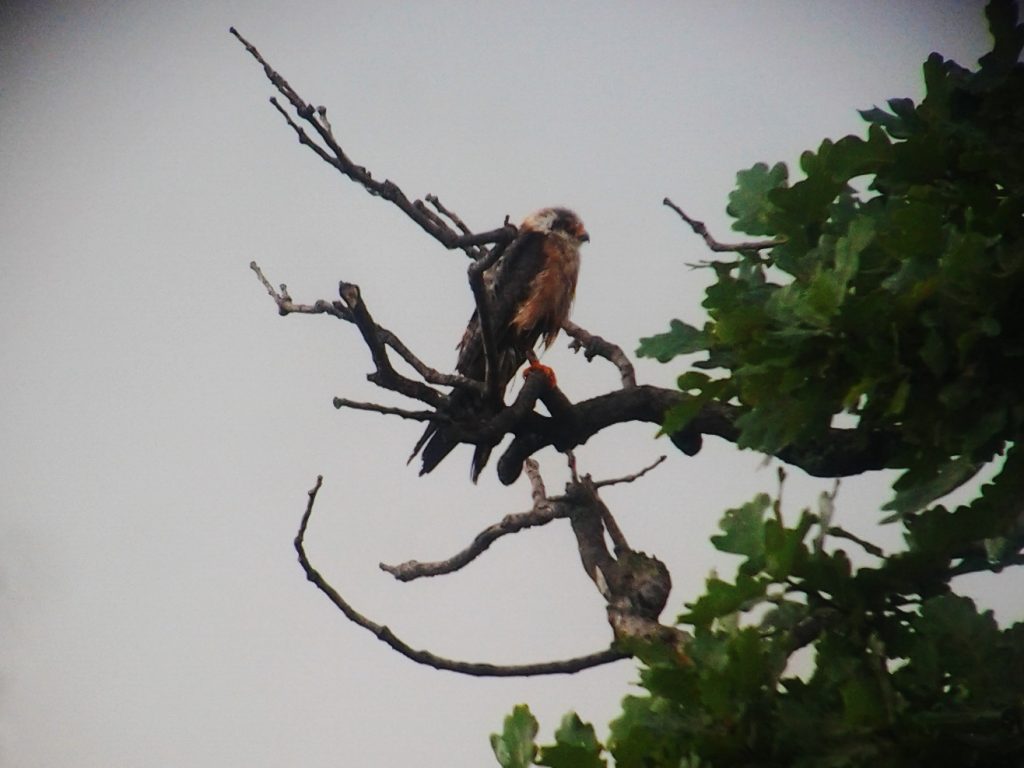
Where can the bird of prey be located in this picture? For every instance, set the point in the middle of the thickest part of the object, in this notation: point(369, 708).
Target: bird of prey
point(531, 290)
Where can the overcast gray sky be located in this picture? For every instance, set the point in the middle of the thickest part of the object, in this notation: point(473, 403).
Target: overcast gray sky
point(160, 424)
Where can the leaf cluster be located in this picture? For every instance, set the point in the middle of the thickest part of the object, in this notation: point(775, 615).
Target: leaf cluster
point(895, 298)
point(904, 671)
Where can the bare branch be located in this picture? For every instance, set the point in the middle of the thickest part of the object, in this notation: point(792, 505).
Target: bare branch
point(459, 223)
point(335, 156)
point(285, 306)
point(384, 634)
point(539, 515)
point(621, 546)
point(385, 375)
point(544, 510)
point(430, 375)
point(700, 229)
point(303, 137)
point(630, 478)
point(341, 402)
point(595, 346)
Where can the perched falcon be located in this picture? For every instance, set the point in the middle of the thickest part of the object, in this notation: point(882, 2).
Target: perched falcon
point(531, 291)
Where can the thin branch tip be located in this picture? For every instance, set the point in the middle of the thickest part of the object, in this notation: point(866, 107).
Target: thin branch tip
point(699, 228)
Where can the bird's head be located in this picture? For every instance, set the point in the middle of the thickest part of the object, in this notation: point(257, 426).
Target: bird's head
point(560, 222)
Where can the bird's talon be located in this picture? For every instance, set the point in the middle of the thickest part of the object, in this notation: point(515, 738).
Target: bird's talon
point(548, 373)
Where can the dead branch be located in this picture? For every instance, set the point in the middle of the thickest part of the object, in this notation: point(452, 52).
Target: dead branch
point(342, 402)
point(453, 217)
point(699, 228)
point(384, 633)
point(630, 478)
point(543, 511)
point(635, 586)
point(385, 376)
point(539, 515)
point(335, 156)
point(596, 346)
point(286, 306)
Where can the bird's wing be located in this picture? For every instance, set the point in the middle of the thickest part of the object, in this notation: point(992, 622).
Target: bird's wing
point(510, 288)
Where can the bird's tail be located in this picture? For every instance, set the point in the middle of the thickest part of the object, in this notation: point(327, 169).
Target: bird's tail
point(437, 441)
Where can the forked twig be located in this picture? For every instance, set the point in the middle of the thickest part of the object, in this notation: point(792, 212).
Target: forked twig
point(286, 306)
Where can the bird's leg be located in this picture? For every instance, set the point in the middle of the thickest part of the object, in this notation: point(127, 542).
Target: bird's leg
point(537, 365)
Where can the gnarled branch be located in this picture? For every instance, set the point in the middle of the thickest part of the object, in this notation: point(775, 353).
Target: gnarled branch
point(839, 452)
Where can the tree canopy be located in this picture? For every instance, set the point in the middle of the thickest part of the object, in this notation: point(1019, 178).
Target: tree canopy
point(886, 297)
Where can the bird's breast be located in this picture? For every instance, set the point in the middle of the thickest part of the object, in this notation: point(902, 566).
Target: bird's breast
point(551, 293)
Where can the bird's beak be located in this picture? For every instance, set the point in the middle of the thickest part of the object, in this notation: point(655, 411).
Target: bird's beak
point(584, 236)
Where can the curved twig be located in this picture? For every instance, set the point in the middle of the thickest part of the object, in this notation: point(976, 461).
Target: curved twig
point(699, 228)
point(481, 295)
point(596, 346)
point(632, 477)
point(543, 511)
point(384, 634)
point(413, 569)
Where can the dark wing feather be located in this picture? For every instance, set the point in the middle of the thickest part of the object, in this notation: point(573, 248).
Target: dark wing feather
point(510, 287)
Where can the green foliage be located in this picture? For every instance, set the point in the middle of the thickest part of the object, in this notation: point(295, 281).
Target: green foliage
point(515, 746)
point(575, 746)
point(905, 672)
point(681, 339)
point(898, 306)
